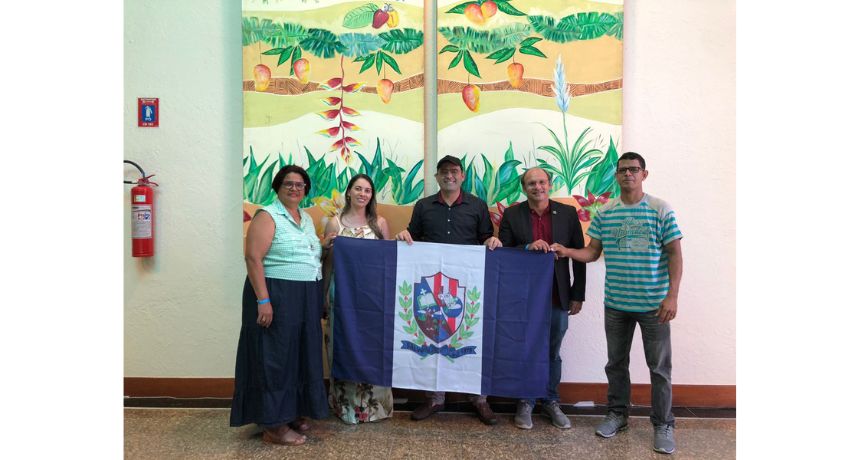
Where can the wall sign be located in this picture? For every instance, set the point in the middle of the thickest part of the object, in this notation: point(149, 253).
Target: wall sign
point(147, 112)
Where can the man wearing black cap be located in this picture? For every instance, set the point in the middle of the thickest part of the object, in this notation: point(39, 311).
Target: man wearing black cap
point(451, 216)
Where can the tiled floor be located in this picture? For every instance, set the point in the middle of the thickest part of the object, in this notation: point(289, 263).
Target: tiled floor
point(156, 433)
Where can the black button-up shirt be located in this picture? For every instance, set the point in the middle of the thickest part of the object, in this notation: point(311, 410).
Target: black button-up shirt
point(466, 221)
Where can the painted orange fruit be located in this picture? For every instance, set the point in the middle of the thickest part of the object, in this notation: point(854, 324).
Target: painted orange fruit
point(515, 74)
point(384, 88)
point(473, 13)
point(488, 9)
point(302, 68)
point(472, 97)
point(262, 77)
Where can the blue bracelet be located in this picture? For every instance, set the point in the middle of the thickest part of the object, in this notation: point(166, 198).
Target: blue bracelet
point(261, 302)
point(527, 247)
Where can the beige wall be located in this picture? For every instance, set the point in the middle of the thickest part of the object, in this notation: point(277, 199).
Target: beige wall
point(182, 306)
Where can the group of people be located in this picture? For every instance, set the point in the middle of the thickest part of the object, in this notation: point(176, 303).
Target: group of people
point(279, 378)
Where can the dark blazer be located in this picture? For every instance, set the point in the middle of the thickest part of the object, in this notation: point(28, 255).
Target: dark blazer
point(515, 230)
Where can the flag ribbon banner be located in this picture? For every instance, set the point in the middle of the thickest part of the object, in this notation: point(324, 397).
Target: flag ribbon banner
point(442, 317)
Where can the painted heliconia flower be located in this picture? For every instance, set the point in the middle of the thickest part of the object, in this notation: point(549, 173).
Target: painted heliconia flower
point(590, 205)
point(496, 217)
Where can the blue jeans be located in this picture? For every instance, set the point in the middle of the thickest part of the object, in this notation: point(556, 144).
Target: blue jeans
point(557, 328)
point(656, 340)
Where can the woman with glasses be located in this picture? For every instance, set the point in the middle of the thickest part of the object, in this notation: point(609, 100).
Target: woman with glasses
point(355, 402)
point(279, 375)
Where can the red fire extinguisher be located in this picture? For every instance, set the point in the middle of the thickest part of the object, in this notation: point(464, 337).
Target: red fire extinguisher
point(142, 215)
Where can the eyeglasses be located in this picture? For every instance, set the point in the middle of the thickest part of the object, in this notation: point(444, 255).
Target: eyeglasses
point(445, 172)
point(293, 185)
point(631, 169)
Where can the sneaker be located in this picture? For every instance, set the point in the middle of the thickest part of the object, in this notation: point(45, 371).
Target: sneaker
point(425, 410)
point(485, 413)
point(555, 414)
point(523, 419)
point(664, 439)
point(611, 425)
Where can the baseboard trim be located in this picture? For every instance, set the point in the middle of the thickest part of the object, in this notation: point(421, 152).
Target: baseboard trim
point(707, 396)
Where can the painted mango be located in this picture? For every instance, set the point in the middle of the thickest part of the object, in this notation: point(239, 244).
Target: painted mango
point(515, 74)
point(488, 9)
point(262, 77)
point(302, 68)
point(472, 97)
point(473, 13)
point(384, 88)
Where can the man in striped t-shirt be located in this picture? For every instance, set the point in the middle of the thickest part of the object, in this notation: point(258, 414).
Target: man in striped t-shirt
point(642, 245)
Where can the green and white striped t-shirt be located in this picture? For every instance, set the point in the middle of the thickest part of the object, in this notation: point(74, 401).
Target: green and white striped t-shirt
point(633, 237)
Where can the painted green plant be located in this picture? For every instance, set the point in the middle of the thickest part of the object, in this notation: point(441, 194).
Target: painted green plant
point(388, 178)
point(601, 179)
point(257, 180)
point(573, 161)
point(495, 184)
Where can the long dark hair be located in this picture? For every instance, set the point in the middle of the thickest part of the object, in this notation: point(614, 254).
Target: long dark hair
point(370, 210)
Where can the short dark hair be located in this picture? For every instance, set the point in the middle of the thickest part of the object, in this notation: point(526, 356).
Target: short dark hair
point(279, 177)
point(523, 176)
point(632, 156)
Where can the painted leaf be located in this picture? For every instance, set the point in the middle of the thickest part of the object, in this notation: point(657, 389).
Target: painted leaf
point(330, 114)
point(349, 111)
point(356, 44)
point(532, 51)
point(582, 200)
point(505, 7)
point(548, 29)
point(351, 141)
point(502, 55)
point(338, 144)
point(604, 198)
point(470, 64)
point(449, 49)
point(285, 34)
point(617, 29)
point(274, 51)
point(378, 62)
point(332, 100)
point(334, 83)
point(485, 41)
point(590, 25)
point(322, 43)
point(297, 54)
point(391, 62)
point(285, 55)
point(402, 41)
point(456, 60)
point(368, 63)
point(530, 41)
point(349, 126)
point(360, 17)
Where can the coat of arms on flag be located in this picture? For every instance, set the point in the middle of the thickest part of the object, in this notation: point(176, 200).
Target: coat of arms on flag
point(441, 311)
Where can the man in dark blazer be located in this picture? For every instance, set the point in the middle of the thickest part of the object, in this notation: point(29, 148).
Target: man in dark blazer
point(535, 225)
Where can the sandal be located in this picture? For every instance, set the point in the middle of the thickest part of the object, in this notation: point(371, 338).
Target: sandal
point(300, 425)
point(279, 436)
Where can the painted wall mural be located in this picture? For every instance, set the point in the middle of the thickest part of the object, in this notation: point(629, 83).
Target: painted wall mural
point(532, 83)
point(338, 87)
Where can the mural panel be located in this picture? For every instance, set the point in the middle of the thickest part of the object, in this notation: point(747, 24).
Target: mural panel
point(532, 83)
point(336, 87)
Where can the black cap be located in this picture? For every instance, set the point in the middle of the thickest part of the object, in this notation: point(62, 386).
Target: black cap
point(449, 159)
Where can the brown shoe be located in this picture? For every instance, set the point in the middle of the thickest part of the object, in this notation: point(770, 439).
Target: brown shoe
point(425, 410)
point(485, 413)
